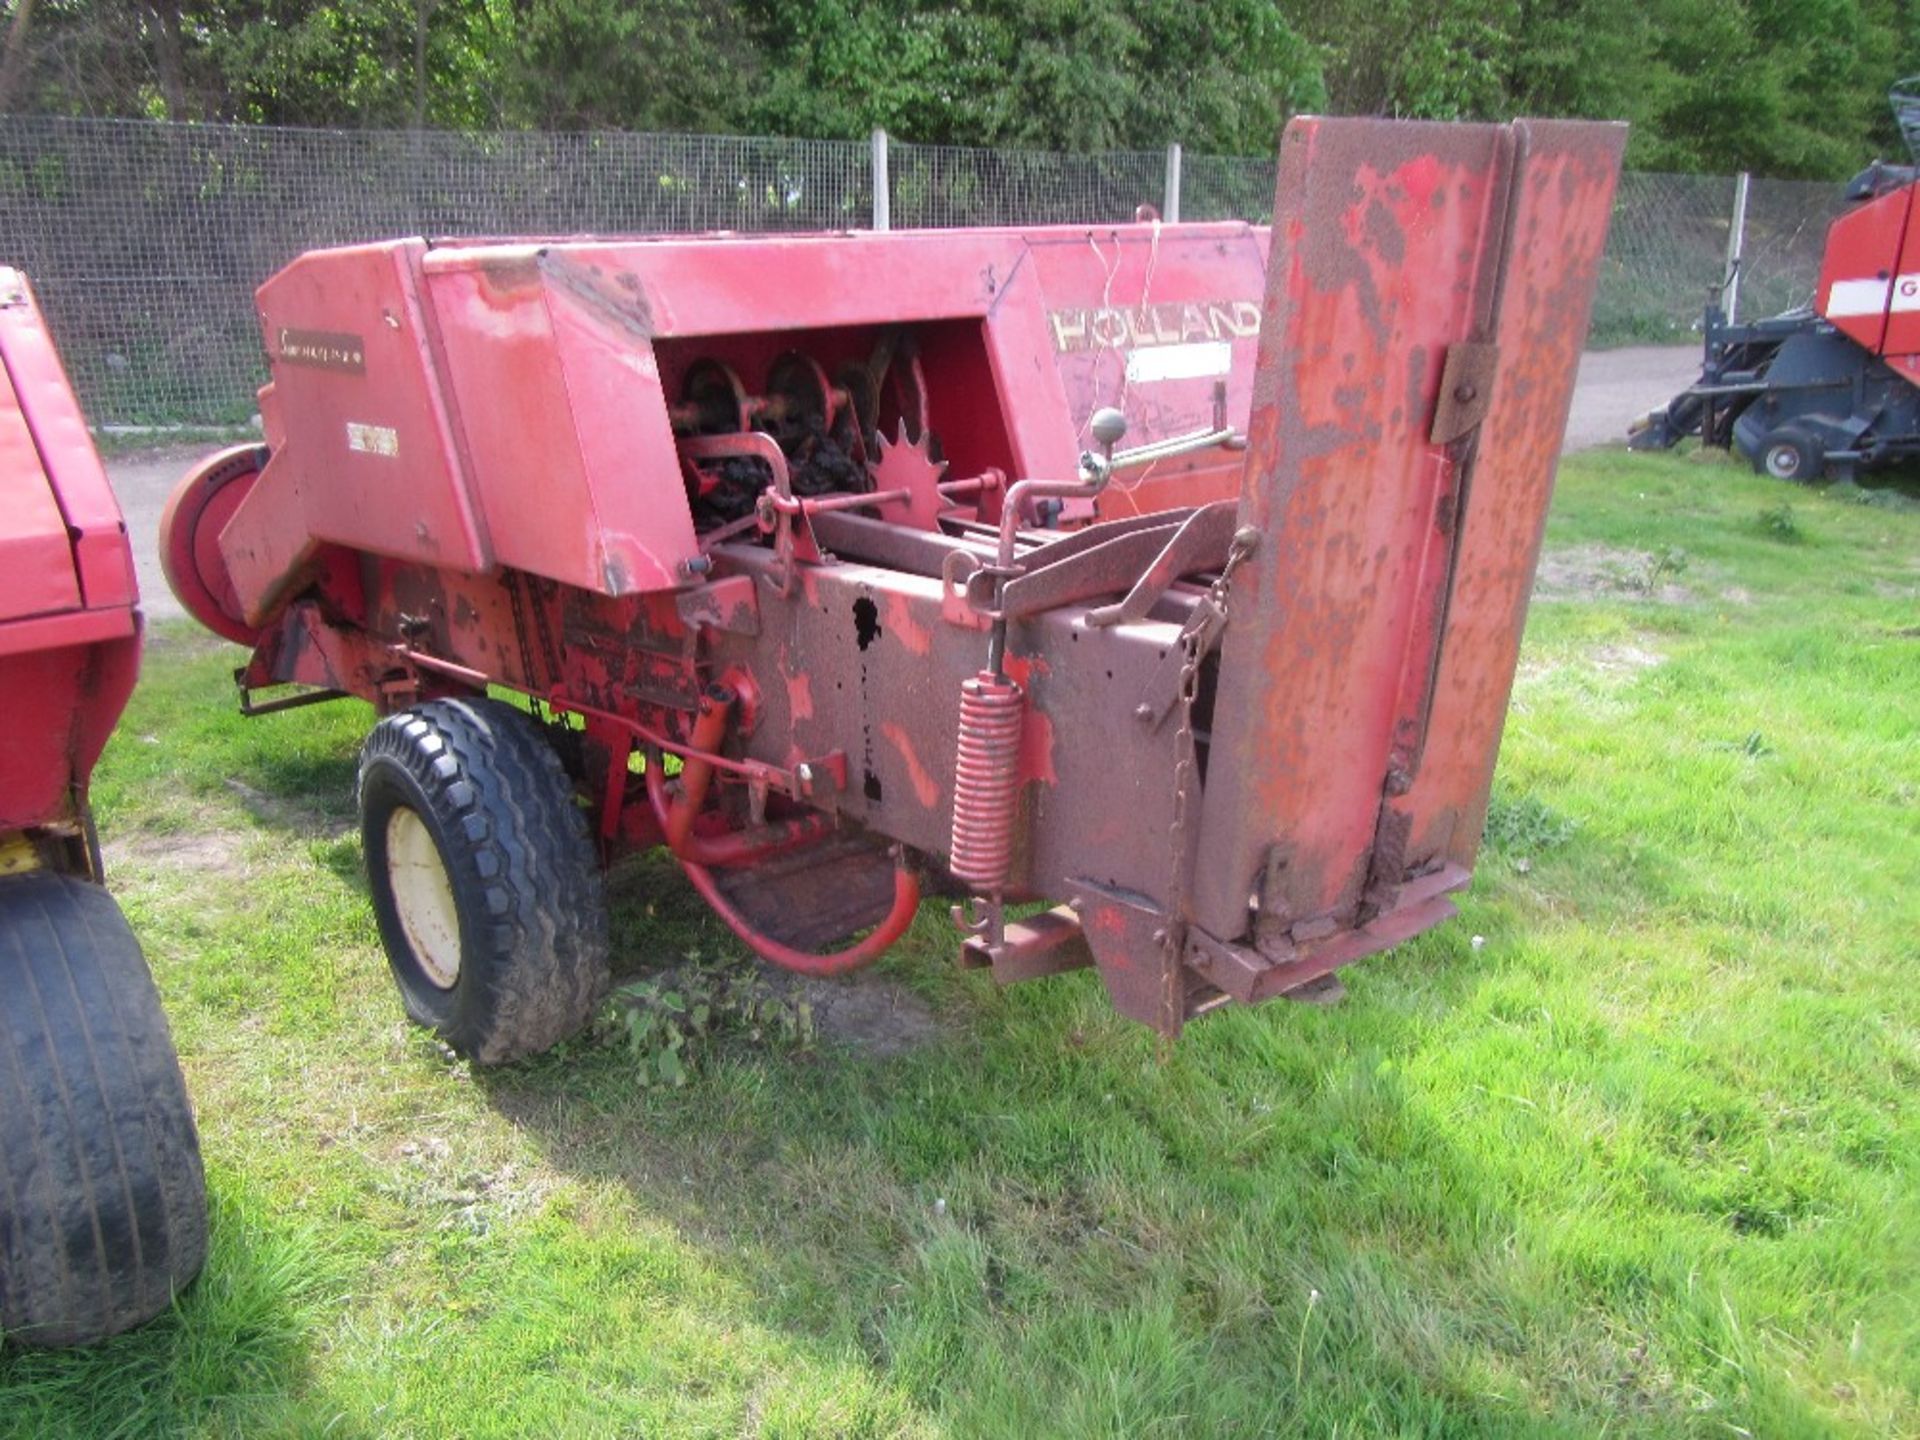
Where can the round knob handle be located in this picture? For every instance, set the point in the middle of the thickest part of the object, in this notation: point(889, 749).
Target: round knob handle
point(1109, 426)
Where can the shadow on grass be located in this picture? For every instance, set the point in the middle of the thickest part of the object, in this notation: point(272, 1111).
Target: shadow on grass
point(230, 1357)
point(1048, 1224)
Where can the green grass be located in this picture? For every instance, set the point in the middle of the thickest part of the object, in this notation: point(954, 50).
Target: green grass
point(1631, 1148)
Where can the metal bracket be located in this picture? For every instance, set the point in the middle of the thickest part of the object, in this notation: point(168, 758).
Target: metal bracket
point(302, 696)
point(1466, 389)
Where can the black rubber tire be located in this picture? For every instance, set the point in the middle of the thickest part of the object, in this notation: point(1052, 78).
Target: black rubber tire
point(520, 864)
point(1790, 453)
point(103, 1208)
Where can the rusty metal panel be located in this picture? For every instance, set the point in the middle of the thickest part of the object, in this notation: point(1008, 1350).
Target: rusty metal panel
point(1564, 195)
point(1388, 244)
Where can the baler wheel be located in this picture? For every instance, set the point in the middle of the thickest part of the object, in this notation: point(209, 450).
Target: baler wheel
point(190, 526)
point(103, 1211)
point(1790, 453)
point(485, 880)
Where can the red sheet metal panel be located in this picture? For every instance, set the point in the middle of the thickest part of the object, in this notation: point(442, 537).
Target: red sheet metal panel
point(1564, 196)
point(1857, 269)
point(1903, 300)
point(66, 678)
point(1152, 320)
point(1388, 245)
point(62, 542)
point(69, 636)
point(36, 558)
point(367, 423)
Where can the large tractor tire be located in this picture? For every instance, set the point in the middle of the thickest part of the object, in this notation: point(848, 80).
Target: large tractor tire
point(485, 879)
point(103, 1212)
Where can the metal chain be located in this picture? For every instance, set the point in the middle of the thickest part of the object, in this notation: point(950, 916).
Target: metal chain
point(511, 579)
point(549, 651)
point(1202, 633)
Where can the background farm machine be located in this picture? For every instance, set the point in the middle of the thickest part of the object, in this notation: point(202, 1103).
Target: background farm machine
point(102, 1206)
point(1826, 390)
point(1122, 568)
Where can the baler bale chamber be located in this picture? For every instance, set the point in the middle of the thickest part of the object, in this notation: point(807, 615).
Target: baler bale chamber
point(1132, 569)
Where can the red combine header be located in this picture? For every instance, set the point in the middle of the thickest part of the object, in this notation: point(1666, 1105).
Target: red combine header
point(1128, 568)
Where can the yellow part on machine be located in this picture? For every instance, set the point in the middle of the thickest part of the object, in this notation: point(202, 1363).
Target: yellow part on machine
point(18, 854)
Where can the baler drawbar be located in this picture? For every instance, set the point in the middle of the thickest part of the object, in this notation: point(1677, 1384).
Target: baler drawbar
point(1128, 568)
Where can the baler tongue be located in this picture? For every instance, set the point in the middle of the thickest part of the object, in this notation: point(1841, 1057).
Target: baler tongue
point(1425, 307)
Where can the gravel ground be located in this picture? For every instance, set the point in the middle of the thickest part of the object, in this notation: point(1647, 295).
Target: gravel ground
point(1614, 389)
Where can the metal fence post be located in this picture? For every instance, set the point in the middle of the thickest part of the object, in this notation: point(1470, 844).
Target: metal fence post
point(1736, 250)
point(882, 186)
point(1170, 201)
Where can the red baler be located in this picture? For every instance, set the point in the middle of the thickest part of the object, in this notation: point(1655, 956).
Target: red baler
point(102, 1211)
point(1130, 568)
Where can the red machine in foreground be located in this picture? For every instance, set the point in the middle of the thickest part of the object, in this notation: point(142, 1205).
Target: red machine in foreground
point(822, 564)
point(102, 1210)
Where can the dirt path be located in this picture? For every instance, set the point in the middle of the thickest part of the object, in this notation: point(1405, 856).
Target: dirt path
point(1615, 388)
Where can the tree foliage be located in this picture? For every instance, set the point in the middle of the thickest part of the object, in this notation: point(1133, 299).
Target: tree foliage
point(1784, 87)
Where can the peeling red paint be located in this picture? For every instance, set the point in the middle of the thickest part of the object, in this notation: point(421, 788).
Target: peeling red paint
point(903, 627)
point(926, 789)
point(799, 697)
point(1036, 748)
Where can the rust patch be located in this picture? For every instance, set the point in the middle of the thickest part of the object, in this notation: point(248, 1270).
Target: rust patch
point(627, 309)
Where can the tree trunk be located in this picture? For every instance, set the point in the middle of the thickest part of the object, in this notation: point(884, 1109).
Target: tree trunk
point(13, 63)
point(167, 57)
point(421, 9)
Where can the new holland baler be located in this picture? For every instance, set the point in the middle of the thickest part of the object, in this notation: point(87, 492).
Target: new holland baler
point(1172, 575)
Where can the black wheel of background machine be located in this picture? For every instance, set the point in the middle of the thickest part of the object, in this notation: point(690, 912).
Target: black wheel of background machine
point(484, 878)
point(1790, 453)
point(103, 1209)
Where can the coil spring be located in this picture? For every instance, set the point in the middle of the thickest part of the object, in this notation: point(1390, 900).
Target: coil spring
point(986, 782)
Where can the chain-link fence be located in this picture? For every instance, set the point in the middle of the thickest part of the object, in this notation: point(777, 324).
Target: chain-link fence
point(145, 240)
point(1667, 252)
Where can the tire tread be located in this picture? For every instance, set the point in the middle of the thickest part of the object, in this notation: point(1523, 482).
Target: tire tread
point(499, 784)
point(102, 1194)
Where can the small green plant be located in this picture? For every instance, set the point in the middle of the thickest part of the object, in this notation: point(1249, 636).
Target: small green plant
point(1645, 574)
point(1668, 562)
point(1754, 747)
point(673, 1021)
point(1523, 826)
point(1778, 522)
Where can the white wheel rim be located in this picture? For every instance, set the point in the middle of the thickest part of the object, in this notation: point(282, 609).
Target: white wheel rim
point(423, 897)
point(1784, 462)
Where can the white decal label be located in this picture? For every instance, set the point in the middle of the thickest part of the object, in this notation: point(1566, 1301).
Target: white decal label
point(1906, 293)
point(373, 439)
point(1179, 362)
point(1857, 297)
